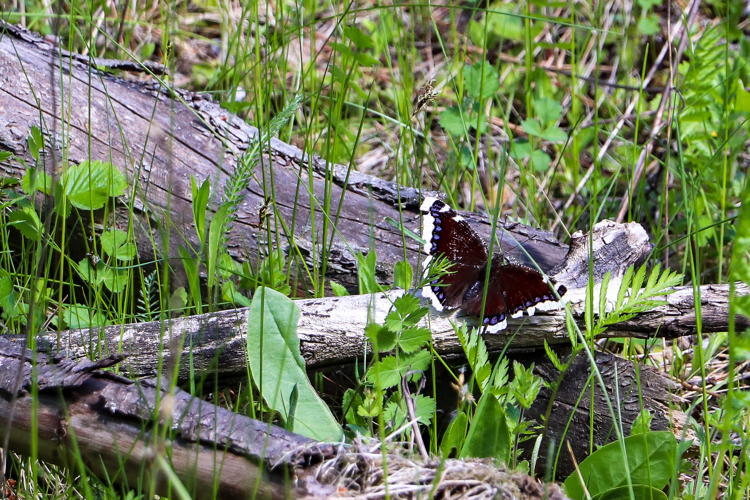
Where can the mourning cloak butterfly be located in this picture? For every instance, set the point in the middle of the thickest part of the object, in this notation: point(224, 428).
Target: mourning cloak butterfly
point(512, 288)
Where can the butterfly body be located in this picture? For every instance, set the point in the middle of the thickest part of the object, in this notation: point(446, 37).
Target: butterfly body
point(493, 289)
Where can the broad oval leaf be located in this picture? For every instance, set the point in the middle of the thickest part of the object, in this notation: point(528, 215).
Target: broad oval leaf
point(489, 435)
point(651, 460)
point(277, 366)
point(640, 491)
point(89, 185)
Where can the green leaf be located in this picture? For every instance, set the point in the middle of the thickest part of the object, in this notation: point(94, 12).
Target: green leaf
point(403, 274)
point(649, 25)
point(531, 127)
point(35, 179)
point(386, 372)
point(36, 142)
point(481, 80)
point(200, 202)
point(215, 240)
point(476, 354)
point(114, 279)
point(651, 460)
point(115, 244)
point(489, 436)
point(366, 273)
point(389, 371)
point(540, 161)
point(178, 300)
point(338, 290)
point(424, 408)
point(293, 400)
point(89, 185)
point(455, 435)
point(414, 338)
point(381, 337)
point(193, 276)
point(359, 38)
point(8, 296)
point(742, 100)
point(27, 221)
point(365, 60)
point(344, 50)
point(554, 134)
point(79, 316)
point(351, 403)
point(277, 366)
point(548, 110)
point(642, 423)
point(640, 492)
point(453, 121)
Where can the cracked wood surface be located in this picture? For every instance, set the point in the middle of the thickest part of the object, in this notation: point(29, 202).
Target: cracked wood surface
point(107, 421)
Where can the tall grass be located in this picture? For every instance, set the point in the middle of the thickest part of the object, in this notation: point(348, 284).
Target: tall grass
point(543, 115)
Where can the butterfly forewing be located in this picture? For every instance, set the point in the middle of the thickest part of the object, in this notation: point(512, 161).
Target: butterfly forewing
point(511, 288)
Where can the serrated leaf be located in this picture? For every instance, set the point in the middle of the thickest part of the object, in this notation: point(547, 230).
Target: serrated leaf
point(548, 110)
point(552, 355)
point(359, 38)
point(115, 244)
point(89, 185)
point(406, 304)
point(642, 423)
point(381, 337)
point(554, 134)
point(424, 408)
point(35, 179)
point(365, 60)
point(414, 338)
point(624, 287)
point(27, 222)
point(453, 121)
point(338, 290)
point(481, 80)
point(114, 279)
point(531, 127)
point(385, 372)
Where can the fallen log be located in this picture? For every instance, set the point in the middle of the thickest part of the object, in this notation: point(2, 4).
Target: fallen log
point(144, 434)
point(331, 330)
point(119, 429)
point(159, 136)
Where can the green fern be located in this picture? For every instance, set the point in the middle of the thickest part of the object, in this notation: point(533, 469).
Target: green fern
point(149, 305)
point(633, 297)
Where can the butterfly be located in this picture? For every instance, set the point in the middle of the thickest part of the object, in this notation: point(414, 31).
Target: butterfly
point(512, 288)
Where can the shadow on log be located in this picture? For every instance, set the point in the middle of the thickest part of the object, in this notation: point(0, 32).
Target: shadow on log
point(106, 422)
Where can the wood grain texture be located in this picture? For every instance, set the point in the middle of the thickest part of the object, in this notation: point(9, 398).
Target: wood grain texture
point(109, 424)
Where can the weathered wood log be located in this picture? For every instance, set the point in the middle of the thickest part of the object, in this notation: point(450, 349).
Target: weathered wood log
point(630, 388)
point(160, 136)
point(88, 417)
point(331, 330)
point(106, 422)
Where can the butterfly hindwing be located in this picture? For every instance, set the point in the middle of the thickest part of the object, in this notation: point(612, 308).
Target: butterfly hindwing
point(511, 288)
